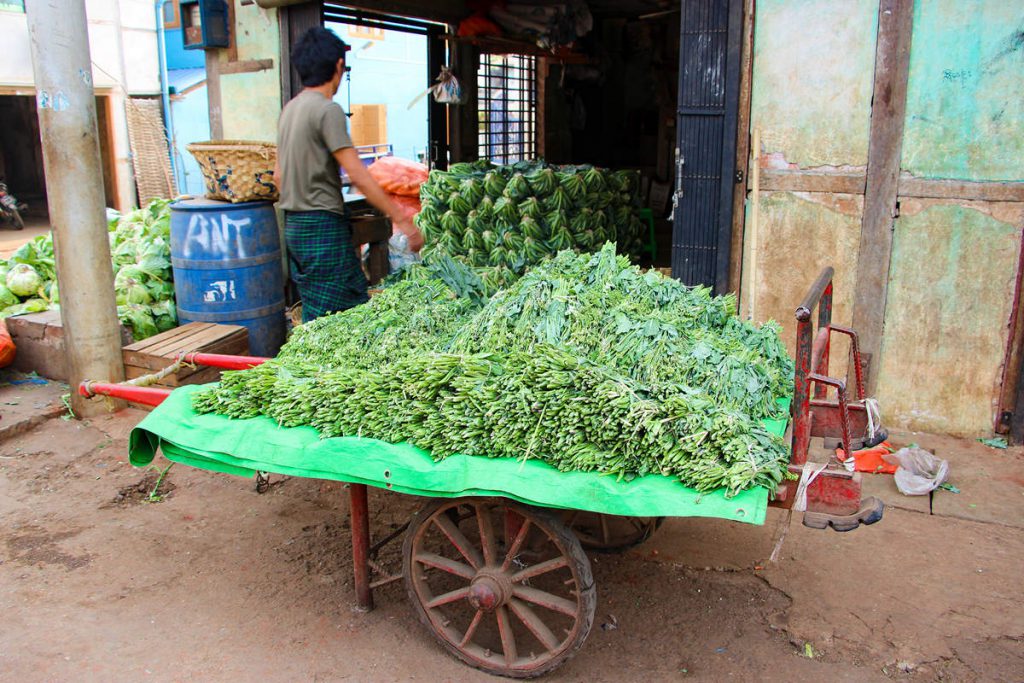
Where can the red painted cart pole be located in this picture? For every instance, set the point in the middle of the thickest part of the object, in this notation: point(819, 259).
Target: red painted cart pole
point(360, 522)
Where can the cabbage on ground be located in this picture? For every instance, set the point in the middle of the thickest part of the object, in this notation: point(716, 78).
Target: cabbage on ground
point(141, 258)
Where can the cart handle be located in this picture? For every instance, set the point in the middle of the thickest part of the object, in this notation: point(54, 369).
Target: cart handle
point(219, 360)
point(150, 396)
point(814, 294)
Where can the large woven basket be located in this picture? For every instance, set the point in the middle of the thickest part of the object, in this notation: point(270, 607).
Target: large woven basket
point(237, 170)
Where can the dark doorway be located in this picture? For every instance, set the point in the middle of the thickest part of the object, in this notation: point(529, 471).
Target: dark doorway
point(21, 153)
point(709, 75)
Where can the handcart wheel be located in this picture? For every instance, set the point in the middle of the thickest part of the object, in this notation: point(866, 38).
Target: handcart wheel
point(610, 533)
point(505, 587)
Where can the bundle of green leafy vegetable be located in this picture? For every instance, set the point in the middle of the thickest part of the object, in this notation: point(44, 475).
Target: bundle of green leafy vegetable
point(143, 283)
point(585, 363)
point(510, 217)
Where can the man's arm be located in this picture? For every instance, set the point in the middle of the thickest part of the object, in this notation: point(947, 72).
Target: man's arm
point(277, 173)
point(349, 159)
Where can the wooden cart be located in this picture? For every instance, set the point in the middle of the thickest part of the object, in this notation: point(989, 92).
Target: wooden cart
point(508, 587)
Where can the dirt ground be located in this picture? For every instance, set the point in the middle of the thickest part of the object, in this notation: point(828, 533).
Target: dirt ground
point(11, 239)
point(216, 582)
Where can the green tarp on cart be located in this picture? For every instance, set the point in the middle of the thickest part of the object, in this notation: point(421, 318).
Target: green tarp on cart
point(244, 447)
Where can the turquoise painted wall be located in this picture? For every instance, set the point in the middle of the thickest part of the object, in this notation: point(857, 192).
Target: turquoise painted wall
point(965, 99)
point(251, 102)
point(392, 71)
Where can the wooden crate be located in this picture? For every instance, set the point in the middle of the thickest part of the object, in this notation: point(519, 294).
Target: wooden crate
point(156, 353)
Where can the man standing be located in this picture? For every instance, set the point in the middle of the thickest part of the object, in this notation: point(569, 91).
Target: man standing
point(312, 143)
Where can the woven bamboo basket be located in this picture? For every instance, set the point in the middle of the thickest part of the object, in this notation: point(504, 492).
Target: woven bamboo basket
point(237, 170)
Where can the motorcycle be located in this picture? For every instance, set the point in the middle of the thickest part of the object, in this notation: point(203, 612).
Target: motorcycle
point(11, 208)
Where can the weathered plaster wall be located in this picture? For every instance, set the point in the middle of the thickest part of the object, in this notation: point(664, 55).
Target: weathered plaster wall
point(800, 233)
point(251, 102)
point(950, 293)
point(813, 70)
point(954, 261)
point(965, 99)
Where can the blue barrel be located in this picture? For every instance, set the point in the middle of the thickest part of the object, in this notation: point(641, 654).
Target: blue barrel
point(227, 268)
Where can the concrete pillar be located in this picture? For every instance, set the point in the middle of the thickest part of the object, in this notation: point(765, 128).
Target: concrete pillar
point(74, 178)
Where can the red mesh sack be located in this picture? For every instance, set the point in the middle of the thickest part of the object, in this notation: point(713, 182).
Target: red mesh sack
point(6, 346)
point(399, 176)
point(410, 206)
point(478, 25)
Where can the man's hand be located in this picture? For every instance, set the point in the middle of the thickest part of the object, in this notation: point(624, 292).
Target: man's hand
point(349, 159)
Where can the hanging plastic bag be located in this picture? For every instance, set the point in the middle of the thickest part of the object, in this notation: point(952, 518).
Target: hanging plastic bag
point(7, 349)
point(448, 89)
point(919, 471)
point(399, 176)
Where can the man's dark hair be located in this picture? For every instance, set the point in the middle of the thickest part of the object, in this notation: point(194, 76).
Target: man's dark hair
point(316, 55)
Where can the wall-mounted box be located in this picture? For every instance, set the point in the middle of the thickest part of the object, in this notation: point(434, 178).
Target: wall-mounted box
point(204, 24)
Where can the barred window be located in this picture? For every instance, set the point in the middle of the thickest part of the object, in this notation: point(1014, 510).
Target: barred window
point(507, 96)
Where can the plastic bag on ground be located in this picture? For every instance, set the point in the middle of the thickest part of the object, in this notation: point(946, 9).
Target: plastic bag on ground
point(399, 176)
point(919, 472)
point(399, 253)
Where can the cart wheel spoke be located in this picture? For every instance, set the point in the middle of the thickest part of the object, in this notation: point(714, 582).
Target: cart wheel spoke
point(443, 563)
point(486, 524)
point(534, 623)
point(471, 629)
point(508, 639)
point(450, 596)
point(459, 540)
point(545, 599)
point(517, 544)
point(475, 601)
point(538, 569)
point(605, 535)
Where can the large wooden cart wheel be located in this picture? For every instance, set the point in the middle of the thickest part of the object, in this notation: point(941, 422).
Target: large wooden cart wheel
point(610, 533)
point(505, 587)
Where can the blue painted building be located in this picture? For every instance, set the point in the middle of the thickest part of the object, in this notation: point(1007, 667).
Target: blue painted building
point(190, 122)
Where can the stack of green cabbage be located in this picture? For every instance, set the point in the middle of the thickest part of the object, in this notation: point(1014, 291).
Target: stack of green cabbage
point(139, 246)
point(510, 217)
point(585, 363)
point(28, 280)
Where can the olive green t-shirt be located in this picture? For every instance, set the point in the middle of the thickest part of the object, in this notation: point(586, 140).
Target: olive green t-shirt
point(311, 128)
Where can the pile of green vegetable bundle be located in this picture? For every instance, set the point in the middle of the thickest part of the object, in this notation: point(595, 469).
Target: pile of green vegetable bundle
point(586, 363)
point(510, 217)
point(139, 245)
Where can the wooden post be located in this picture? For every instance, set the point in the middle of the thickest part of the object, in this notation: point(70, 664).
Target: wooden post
point(888, 111)
point(359, 520)
point(213, 94)
point(742, 148)
point(755, 214)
